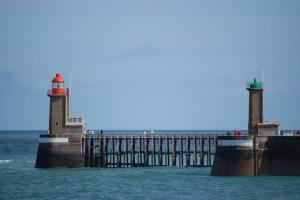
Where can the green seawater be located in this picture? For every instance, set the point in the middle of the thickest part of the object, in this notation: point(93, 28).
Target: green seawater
point(20, 180)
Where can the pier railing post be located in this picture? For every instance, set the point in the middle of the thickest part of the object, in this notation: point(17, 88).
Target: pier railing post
point(153, 151)
point(86, 152)
point(195, 151)
point(119, 152)
point(180, 152)
point(92, 155)
point(110, 152)
point(106, 152)
point(209, 152)
point(126, 151)
point(140, 152)
point(101, 151)
point(132, 150)
point(160, 151)
point(167, 155)
point(174, 151)
point(188, 160)
point(113, 151)
point(201, 151)
point(145, 151)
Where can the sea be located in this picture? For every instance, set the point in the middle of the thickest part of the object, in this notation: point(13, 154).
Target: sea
point(19, 179)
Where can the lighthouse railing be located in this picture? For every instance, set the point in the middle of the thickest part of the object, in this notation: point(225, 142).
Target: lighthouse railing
point(74, 121)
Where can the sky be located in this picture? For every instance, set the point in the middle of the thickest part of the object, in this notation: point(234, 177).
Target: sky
point(141, 64)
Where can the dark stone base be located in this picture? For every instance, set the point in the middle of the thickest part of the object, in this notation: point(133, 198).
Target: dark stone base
point(67, 154)
point(273, 155)
point(278, 155)
point(231, 161)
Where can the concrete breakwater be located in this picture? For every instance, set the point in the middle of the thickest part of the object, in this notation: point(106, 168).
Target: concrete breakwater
point(257, 155)
point(264, 151)
point(108, 151)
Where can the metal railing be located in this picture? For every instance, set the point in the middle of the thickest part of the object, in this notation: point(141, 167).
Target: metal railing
point(74, 121)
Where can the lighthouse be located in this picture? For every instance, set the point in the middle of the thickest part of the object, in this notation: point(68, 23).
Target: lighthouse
point(60, 121)
point(62, 146)
point(256, 124)
point(255, 153)
point(255, 106)
point(59, 105)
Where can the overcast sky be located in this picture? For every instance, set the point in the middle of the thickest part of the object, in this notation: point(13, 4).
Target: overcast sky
point(162, 64)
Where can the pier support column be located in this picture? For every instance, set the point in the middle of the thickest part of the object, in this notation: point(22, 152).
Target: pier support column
point(174, 151)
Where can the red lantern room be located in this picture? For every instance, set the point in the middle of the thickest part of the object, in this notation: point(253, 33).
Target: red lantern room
point(58, 85)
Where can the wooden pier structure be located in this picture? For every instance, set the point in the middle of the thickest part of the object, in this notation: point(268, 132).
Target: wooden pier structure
point(111, 151)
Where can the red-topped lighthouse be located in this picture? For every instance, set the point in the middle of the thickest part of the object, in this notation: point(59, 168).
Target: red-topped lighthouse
point(59, 117)
point(62, 146)
point(58, 85)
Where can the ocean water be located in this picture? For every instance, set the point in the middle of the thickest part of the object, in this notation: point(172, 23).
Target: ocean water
point(20, 180)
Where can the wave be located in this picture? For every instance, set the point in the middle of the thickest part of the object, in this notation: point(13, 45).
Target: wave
point(5, 161)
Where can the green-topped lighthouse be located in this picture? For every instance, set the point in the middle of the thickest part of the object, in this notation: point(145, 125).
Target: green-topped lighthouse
point(256, 124)
point(255, 106)
point(263, 152)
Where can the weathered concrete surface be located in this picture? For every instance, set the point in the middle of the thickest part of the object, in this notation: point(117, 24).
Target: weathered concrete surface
point(233, 158)
point(272, 155)
point(60, 154)
point(268, 129)
point(279, 155)
point(255, 109)
point(59, 112)
point(230, 161)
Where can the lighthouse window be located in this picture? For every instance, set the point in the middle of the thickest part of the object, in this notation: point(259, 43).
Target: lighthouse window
point(56, 123)
point(57, 85)
point(60, 85)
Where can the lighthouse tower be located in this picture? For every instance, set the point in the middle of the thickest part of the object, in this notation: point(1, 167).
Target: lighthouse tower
point(256, 124)
point(59, 105)
point(62, 146)
point(255, 106)
point(60, 121)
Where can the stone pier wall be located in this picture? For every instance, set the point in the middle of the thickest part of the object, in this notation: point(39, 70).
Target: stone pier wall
point(268, 155)
point(60, 151)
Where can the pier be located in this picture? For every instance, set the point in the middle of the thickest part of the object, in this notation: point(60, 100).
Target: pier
point(264, 151)
point(111, 151)
point(69, 144)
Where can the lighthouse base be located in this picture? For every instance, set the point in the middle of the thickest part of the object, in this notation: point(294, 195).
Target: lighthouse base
point(234, 156)
point(261, 155)
point(59, 151)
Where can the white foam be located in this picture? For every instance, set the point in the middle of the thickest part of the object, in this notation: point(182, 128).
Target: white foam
point(5, 161)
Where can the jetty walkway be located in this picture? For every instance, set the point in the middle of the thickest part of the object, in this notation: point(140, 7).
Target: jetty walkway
point(109, 151)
